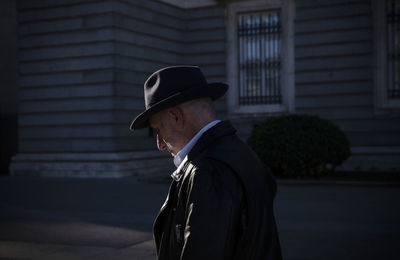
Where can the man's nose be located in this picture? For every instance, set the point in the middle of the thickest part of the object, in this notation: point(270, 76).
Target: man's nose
point(161, 144)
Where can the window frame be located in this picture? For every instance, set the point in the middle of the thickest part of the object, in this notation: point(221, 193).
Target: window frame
point(286, 8)
point(382, 102)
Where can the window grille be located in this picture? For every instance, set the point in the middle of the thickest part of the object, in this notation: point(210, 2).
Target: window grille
point(259, 41)
point(393, 20)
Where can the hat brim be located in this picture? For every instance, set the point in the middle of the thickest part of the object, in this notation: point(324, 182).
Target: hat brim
point(212, 90)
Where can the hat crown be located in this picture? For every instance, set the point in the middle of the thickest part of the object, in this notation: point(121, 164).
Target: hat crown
point(171, 81)
point(171, 86)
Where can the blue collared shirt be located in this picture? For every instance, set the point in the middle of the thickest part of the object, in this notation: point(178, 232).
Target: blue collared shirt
point(180, 156)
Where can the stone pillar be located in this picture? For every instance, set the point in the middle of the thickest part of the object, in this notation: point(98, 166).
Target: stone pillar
point(81, 70)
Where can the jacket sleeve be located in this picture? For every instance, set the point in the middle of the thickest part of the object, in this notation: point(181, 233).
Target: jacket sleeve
point(213, 206)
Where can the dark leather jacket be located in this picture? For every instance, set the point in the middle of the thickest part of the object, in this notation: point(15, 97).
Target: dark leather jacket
point(220, 204)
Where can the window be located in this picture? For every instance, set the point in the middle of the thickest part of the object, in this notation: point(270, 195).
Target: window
point(259, 39)
point(260, 57)
point(393, 43)
point(387, 54)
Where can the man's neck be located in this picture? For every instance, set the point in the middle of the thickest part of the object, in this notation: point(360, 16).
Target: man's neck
point(196, 127)
point(179, 157)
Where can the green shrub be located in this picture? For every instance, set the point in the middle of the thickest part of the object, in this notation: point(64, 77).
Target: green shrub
point(300, 145)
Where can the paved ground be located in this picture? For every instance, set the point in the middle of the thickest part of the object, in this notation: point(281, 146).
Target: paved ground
point(59, 218)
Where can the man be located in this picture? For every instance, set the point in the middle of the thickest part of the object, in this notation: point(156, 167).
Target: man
point(219, 205)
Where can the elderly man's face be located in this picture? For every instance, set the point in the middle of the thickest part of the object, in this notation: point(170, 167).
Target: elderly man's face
point(167, 137)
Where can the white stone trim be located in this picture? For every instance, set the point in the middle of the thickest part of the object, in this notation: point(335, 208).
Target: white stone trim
point(382, 103)
point(287, 78)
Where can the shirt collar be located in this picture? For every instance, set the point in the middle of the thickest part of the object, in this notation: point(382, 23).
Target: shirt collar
point(180, 156)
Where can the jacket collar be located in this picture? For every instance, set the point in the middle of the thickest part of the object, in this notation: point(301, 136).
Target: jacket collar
point(181, 155)
point(221, 129)
point(224, 128)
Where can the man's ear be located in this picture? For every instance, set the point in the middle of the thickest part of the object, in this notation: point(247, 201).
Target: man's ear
point(176, 116)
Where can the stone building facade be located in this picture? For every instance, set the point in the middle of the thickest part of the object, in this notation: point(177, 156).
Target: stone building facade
point(82, 64)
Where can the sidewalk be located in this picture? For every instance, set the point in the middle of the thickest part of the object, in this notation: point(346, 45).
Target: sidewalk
point(61, 218)
point(24, 250)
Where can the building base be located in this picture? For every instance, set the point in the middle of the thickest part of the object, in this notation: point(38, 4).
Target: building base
point(379, 159)
point(102, 165)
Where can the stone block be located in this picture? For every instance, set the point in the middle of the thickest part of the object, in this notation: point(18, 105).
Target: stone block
point(63, 11)
point(62, 92)
point(64, 38)
point(68, 51)
point(151, 12)
point(66, 78)
point(64, 105)
point(67, 65)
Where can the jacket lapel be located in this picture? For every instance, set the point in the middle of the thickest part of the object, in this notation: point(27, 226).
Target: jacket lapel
point(158, 227)
point(160, 219)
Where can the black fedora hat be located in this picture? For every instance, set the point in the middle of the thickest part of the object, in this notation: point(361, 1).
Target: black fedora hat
point(171, 86)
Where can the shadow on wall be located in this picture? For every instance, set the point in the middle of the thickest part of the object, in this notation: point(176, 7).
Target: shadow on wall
point(8, 141)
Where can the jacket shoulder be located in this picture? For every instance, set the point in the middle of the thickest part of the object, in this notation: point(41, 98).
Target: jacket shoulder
point(210, 174)
point(207, 167)
point(254, 175)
